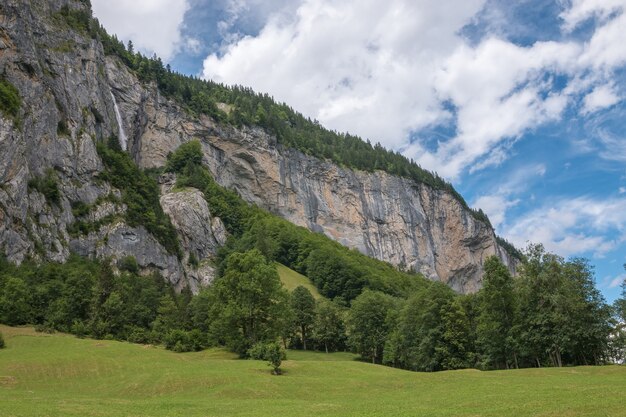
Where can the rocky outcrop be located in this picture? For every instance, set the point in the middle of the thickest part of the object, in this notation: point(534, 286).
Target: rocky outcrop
point(67, 86)
point(66, 108)
point(200, 234)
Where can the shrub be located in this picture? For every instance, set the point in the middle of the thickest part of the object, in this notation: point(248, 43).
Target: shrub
point(63, 129)
point(128, 263)
point(273, 353)
point(138, 335)
point(47, 185)
point(2, 344)
point(10, 101)
point(79, 329)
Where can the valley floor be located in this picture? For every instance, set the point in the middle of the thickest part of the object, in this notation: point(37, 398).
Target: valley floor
point(60, 375)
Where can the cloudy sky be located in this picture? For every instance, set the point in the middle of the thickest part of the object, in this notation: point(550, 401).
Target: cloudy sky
point(519, 104)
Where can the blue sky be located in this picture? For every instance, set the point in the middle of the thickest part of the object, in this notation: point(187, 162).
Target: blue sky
point(519, 104)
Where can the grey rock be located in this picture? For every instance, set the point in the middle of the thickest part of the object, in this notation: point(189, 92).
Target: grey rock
point(390, 218)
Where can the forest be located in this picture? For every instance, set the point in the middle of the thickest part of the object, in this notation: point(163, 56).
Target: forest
point(551, 314)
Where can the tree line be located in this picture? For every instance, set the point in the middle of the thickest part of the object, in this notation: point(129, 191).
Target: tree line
point(551, 314)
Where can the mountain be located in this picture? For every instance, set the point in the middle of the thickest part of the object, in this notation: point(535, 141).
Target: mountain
point(63, 92)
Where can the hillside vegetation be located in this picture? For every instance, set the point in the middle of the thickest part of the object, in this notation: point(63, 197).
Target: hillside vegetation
point(550, 315)
point(59, 375)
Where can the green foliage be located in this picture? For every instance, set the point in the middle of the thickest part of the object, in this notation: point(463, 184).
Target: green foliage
point(185, 341)
point(270, 352)
point(250, 300)
point(76, 19)
point(80, 209)
point(187, 153)
point(63, 129)
point(563, 318)
point(48, 186)
point(303, 305)
point(497, 316)
point(329, 328)
point(129, 264)
point(335, 270)
point(86, 298)
point(10, 100)
point(15, 301)
point(370, 321)
point(140, 193)
point(2, 343)
point(510, 248)
point(431, 332)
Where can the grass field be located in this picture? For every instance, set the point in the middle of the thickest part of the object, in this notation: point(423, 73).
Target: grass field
point(292, 279)
point(60, 375)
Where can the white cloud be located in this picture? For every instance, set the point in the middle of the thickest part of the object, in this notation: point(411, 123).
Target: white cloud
point(622, 190)
point(386, 70)
point(571, 227)
point(614, 145)
point(495, 206)
point(601, 97)
point(582, 10)
point(505, 195)
point(364, 66)
point(153, 25)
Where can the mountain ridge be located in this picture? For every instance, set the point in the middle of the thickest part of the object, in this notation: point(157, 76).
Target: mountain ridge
point(394, 219)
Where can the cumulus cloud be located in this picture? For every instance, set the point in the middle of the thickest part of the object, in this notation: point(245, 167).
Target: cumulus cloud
point(573, 226)
point(582, 10)
point(390, 71)
point(365, 66)
point(154, 26)
point(601, 97)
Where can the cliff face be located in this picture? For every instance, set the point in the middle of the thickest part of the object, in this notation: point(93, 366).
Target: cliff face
point(64, 75)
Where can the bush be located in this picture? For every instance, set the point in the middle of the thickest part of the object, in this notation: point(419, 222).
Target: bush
point(138, 335)
point(273, 353)
point(47, 185)
point(129, 264)
point(79, 329)
point(182, 341)
point(10, 101)
point(2, 344)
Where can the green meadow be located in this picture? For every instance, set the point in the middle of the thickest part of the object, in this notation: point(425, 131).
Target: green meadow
point(292, 279)
point(61, 375)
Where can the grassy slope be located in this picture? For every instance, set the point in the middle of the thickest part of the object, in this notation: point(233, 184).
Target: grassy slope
point(59, 375)
point(292, 279)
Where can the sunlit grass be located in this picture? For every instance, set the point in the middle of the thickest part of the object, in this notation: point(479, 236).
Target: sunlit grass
point(292, 279)
point(60, 375)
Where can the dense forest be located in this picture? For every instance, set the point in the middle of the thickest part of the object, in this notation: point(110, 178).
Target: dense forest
point(550, 315)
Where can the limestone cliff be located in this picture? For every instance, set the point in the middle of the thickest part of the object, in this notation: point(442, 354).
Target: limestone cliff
point(70, 91)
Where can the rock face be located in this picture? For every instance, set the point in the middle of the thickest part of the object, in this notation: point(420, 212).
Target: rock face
point(64, 76)
point(390, 218)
